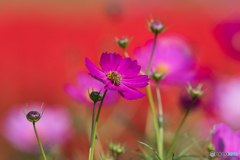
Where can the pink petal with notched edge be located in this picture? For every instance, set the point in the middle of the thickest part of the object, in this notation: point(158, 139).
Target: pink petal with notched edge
point(140, 81)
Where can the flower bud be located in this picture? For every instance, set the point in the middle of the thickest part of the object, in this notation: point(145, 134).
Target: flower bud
point(123, 42)
point(210, 147)
point(117, 148)
point(96, 96)
point(157, 27)
point(196, 91)
point(157, 76)
point(33, 116)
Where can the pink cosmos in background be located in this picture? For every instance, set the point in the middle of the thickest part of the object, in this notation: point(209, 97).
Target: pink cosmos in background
point(228, 37)
point(53, 128)
point(172, 57)
point(79, 92)
point(119, 75)
point(227, 100)
point(225, 140)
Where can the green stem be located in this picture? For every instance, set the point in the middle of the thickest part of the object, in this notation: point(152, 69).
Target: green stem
point(150, 97)
point(155, 121)
point(93, 117)
point(160, 110)
point(180, 127)
point(40, 145)
point(96, 122)
point(125, 53)
point(151, 58)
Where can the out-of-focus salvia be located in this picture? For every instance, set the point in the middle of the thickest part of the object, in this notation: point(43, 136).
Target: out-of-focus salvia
point(54, 128)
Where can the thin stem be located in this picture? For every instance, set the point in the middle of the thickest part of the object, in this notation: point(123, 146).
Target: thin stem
point(180, 127)
point(93, 117)
point(155, 121)
point(150, 97)
point(151, 58)
point(160, 110)
point(96, 122)
point(40, 145)
point(125, 53)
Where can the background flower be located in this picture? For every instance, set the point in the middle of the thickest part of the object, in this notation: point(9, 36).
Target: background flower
point(53, 128)
point(79, 92)
point(225, 140)
point(227, 34)
point(172, 57)
point(226, 100)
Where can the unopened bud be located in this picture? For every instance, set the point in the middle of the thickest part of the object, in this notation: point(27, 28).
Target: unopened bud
point(123, 42)
point(157, 27)
point(196, 91)
point(33, 116)
point(96, 96)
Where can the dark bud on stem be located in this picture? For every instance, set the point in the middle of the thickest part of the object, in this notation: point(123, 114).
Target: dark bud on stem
point(96, 96)
point(33, 116)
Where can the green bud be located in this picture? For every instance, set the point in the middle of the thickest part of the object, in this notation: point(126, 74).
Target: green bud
point(196, 91)
point(157, 76)
point(123, 42)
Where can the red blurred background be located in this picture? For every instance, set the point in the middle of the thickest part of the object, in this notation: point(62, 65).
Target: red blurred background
point(43, 45)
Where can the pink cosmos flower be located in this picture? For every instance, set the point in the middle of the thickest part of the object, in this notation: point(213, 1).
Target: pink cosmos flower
point(172, 58)
point(228, 37)
point(53, 128)
point(226, 100)
point(79, 92)
point(119, 75)
point(224, 140)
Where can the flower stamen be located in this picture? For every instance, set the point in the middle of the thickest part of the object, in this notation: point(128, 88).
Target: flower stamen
point(114, 77)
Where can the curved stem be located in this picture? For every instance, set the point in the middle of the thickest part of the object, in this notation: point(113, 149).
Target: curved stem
point(125, 53)
point(160, 110)
point(96, 122)
point(40, 145)
point(150, 61)
point(93, 117)
point(180, 127)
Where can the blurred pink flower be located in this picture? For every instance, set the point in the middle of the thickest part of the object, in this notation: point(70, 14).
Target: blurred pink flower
point(227, 102)
point(53, 128)
point(172, 57)
point(79, 92)
point(225, 140)
point(228, 37)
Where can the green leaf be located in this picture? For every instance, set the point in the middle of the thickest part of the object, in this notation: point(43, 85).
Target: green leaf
point(150, 148)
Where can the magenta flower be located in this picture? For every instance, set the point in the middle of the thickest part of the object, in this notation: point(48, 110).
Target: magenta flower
point(172, 58)
point(224, 140)
point(226, 100)
point(119, 75)
point(53, 128)
point(79, 92)
point(228, 37)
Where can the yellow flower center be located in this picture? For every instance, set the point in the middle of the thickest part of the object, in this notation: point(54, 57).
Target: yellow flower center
point(162, 68)
point(114, 77)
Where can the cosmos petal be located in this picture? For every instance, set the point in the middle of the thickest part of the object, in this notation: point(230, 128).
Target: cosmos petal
point(124, 65)
point(132, 72)
point(104, 62)
point(140, 81)
point(94, 70)
point(113, 87)
point(131, 93)
point(73, 92)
